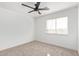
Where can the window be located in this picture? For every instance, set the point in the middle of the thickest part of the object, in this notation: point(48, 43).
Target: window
point(51, 26)
point(58, 25)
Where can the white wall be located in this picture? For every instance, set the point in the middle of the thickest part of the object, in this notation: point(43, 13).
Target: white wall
point(15, 28)
point(78, 29)
point(67, 41)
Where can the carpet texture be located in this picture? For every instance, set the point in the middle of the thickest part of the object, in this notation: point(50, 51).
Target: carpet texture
point(37, 48)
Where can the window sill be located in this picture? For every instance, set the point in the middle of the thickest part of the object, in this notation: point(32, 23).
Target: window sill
point(55, 33)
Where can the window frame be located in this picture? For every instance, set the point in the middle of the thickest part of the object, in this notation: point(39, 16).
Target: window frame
point(57, 26)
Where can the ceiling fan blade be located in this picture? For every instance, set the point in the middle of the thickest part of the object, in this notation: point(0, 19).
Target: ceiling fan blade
point(39, 12)
point(43, 8)
point(27, 6)
point(30, 11)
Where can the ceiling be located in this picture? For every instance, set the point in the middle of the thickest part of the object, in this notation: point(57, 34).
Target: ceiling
point(53, 7)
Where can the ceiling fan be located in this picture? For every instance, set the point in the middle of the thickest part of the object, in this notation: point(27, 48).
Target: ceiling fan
point(36, 8)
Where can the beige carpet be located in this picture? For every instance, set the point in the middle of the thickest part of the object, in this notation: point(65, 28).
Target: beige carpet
point(37, 48)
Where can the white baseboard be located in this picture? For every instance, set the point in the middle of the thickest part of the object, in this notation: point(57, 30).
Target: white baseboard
point(1, 49)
